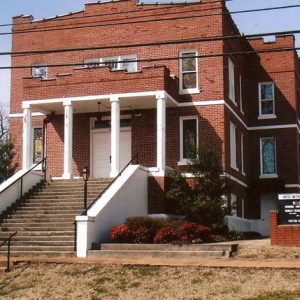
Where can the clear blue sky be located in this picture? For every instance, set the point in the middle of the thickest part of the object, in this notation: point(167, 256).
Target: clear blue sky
point(259, 22)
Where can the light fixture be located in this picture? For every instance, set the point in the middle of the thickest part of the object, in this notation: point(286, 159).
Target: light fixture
point(99, 112)
point(85, 174)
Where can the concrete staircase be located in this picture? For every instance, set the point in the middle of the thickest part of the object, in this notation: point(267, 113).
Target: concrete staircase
point(185, 251)
point(45, 219)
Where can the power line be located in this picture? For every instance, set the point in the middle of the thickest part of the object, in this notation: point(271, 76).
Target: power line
point(58, 17)
point(276, 50)
point(151, 20)
point(182, 41)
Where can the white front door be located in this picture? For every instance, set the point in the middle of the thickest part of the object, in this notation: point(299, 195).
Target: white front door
point(101, 148)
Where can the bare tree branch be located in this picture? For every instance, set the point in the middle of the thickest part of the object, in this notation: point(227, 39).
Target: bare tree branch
point(3, 123)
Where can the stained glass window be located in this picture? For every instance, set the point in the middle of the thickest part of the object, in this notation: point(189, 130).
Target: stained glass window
point(268, 155)
point(37, 144)
point(266, 95)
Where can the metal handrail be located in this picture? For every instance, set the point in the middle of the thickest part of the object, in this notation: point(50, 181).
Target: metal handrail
point(134, 158)
point(21, 178)
point(8, 250)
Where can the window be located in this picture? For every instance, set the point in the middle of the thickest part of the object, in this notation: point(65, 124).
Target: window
point(37, 144)
point(242, 154)
point(233, 204)
point(231, 80)
point(127, 62)
point(188, 137)
point(266, 100)
point(188, 73)
point(268, 157)
point(233, 146)
point(241, 95)
point(39, 72)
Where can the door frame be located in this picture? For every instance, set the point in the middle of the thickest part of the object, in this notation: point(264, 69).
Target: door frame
point(103, 130)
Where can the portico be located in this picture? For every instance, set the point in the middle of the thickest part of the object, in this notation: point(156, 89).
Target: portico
point(110, 104)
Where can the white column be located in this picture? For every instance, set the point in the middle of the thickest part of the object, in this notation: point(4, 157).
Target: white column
point(68, 139)
point(27, 137)
point(115, 136)
point(161, 131)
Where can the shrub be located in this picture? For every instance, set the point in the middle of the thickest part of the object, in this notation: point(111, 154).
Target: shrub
point(166, 235)
point(144, 228)
point(188, 232)
point(120, 234)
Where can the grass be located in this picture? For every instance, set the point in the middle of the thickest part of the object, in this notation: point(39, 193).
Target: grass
point(278, 295)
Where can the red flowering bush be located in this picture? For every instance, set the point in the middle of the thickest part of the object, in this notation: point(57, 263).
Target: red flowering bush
point(120, 234)
point(165, 235)
point(187, 232)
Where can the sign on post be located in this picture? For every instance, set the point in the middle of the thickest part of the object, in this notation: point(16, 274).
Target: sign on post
point(289, 209)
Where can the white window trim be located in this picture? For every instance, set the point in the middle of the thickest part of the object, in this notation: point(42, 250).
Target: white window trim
point(241, 95)
point(266, 116)
point(119, 59)
point(39, 66)
point(264, 176)
point(242, 154)
point(39, 167)
point(231, 80)
point(184, 161)
point(193, 90)
point(233, 147)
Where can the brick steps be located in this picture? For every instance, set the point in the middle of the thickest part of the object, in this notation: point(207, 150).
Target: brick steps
point(45, 220)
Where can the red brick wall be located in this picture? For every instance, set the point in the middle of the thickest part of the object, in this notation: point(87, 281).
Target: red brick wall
point(156, 195)
point(283, 235)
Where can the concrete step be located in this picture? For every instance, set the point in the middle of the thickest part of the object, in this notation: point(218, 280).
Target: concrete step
point(43, 243)
point(169, 247)
point(50, 208)
point(39, 220)
point(38, 227)
point(66, 211)
point(43, 233)
point(46, 253)
point(39, 215)
point(157, 254)
point(41, 238)
point(38, 248)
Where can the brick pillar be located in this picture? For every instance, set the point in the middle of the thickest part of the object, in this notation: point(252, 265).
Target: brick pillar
point(156, 194)
point(273, 227)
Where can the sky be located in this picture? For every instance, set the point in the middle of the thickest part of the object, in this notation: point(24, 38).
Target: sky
point(248, 23)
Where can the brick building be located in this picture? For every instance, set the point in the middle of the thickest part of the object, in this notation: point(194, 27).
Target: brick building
point(117, 97)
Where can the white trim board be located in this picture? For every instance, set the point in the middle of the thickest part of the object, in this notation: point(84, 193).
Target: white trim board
point(20, 115)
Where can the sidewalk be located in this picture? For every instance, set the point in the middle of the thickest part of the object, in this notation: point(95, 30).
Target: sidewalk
point(215, 263)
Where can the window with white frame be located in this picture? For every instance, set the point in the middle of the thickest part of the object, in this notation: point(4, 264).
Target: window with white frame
point(39, 71)
point(242, 153)
point(188, 137)
point(231, 80)
point(188, 71)
point(241, 95)
point(268, 156)
point(233, 204)
point(233, 146)
point(124, 62)
point(266, 99)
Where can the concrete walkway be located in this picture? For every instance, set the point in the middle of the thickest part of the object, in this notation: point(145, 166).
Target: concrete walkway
point(215, 263)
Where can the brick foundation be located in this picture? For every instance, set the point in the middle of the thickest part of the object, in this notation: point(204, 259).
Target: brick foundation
point(283, 235)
